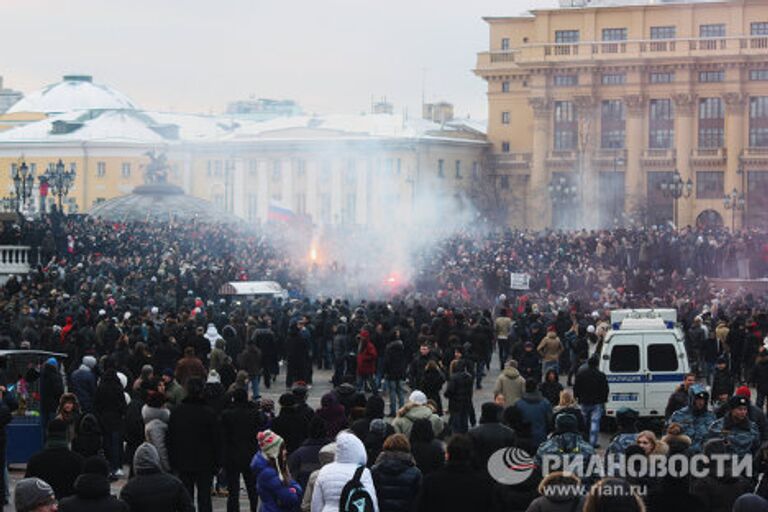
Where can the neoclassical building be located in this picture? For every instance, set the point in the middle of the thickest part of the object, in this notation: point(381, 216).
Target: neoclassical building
point(328, 170)
point(593, 108)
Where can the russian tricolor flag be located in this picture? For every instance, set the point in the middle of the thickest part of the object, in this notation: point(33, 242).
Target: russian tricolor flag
point(279, 213)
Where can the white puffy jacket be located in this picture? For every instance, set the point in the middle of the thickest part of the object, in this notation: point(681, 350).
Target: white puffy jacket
point(350, 454)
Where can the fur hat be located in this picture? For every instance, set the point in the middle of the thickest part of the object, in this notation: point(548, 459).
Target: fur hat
point(418, 397)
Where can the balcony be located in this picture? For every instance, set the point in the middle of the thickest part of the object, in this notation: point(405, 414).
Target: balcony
point(14, 259)
point(538, 53)
point(755, 156)
point(562, 158)
point(658, 157)
point(512, 161)
point(607, 157)
point(496, 60)
point(709, 156)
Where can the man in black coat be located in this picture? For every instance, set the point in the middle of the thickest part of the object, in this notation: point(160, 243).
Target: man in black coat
point(290, 424)
point(459, 395)
point(56, 464)
point(241, 421)
point(591, 390)
point(92, 491)
point(490, 435)
point(194, 443)
point(395, 366)
point(151, 489)
point(457, 486)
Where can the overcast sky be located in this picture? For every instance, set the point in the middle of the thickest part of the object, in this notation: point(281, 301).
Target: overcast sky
point(196, 55)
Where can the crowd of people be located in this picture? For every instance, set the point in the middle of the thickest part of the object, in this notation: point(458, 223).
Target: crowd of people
point(165, 379)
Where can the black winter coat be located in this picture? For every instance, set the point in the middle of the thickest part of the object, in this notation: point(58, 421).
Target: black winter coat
point(427, 451)
point(156, 491)
point(59, 467)
point(456, 487)
point(395, 364)
point(240, 424)
point(291, 426)
point(459, 392)
point(193, 437)
point(92, 494)
point(397, 481)
point(488, 438)
point(51, 389)
point(109, 403)
point(591, 387)
point(304, 460)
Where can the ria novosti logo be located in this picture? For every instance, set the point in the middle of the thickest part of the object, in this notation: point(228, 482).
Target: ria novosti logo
point(511, 466)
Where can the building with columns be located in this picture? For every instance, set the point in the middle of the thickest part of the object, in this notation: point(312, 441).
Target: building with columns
point(594, 106)
point(328, 170)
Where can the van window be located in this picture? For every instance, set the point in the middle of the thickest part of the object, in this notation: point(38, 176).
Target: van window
point(625, 358)
point(662, 357)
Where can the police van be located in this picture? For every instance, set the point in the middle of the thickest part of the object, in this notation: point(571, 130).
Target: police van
point(644, 358)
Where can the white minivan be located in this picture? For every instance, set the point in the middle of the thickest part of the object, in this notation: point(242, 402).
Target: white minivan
point(644, 358)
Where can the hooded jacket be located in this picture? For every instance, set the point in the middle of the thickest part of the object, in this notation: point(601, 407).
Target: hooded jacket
point(397, 481)
point(156, 430)
point(695, 422)
point(428, 452)
point(350, 454)
point(550, 347)
point(83, 382)
point(412, 412)
point(92, 494)
point(333, 413)
point(275, 496)
point(510, 384)
point(153, 489)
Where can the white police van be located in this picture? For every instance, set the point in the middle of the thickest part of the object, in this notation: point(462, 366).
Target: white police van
point(644, 358)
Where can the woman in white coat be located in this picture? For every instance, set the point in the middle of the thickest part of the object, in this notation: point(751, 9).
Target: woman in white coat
point(350, 454)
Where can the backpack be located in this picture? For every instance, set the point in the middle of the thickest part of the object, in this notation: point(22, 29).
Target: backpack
point(354, 496)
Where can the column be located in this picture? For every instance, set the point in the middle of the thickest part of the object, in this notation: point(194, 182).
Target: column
point(288, 199)
point(361, 202)
point(685, 108)
point(587, 176)
point(313, 170)
point(734, 143)
point(238, 190)
point(634, 184)
point(262, 173)
point(336, 191)
point(538, 196)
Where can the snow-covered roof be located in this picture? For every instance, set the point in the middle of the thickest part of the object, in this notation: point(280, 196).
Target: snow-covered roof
point(74, 92)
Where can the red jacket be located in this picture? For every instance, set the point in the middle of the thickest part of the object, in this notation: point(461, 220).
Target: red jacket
point(366, 357)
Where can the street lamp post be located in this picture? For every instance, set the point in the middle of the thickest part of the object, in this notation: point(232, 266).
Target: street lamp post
point(734, 201)
point(562, 192)
point(676, 188)
point(60, 181)
point(23, 179)
point(618, 160)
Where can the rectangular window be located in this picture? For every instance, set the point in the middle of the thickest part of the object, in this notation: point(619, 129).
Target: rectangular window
point(504, 183)
point(350, 173)
point(126, 170)
point(758, 75)
point(625, 359)
point(758, 121)
point(662, 357)
point(253, 167)
point(505, 86)
point(217, 168)
point(666, 32)
point(458, 170)
point(505, 147)
point(505, 43)
point(566, 36)
point(565, 80)
point(326, 168)
point(566, 126)
point(714, 30)
point(475, 170)
point(612, 124)
point(712, 76)
point(277, 170)
point(661, 78)
point(711, 123)
point(614, 78)
point(710, 185)
point(399, 166)
point(300, 166)
point(614, 34)
point(101, 169)
point(661, 125)
point(505, 118)
point(759, 28)
point(441, 168)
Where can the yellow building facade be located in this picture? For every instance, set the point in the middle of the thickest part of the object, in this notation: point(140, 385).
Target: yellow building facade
point(593, 108)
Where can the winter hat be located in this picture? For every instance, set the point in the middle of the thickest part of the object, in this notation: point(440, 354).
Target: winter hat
point(591, 329)
point(490, 412)
point(744, 391)
point(31, 493)
point(551, 328)
point(57, 429)
point(566, 423)
point(722, 360)
point(287, 400)
point(89, 361)
point(102, 312)
point(378, 426)
point(300, 392)
point(738, 401)
point(269, 444)
point(51, 361)
point(627, 416)
point(213, 377)
point(418, 397)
